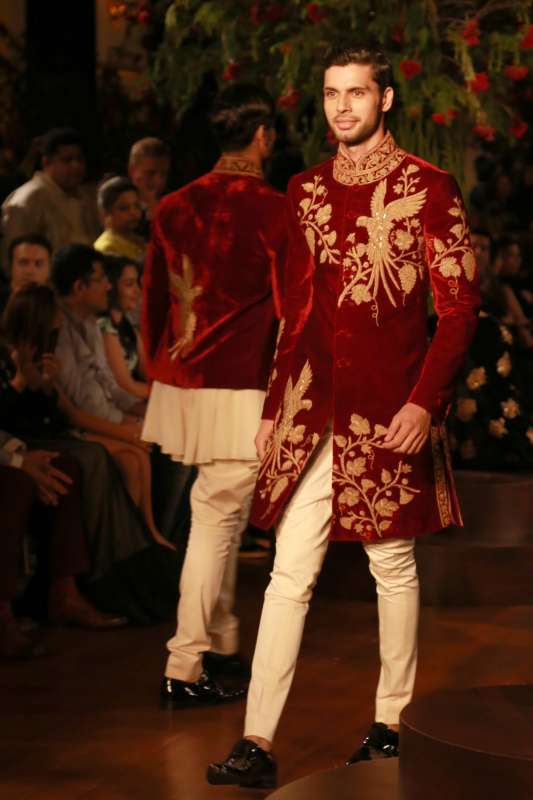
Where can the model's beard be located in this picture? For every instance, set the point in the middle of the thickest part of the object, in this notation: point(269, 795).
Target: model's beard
point(351, 139)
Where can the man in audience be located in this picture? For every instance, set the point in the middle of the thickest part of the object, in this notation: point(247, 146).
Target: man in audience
point(54, 202)
point(120, 208)
point(209, 329)
point(79, 278)
point(149, 167)
point(28, 261)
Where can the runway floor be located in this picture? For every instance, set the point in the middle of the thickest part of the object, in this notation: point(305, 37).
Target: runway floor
point(84, 723)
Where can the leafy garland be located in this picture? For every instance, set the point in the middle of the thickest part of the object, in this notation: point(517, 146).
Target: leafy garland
point(462, 68)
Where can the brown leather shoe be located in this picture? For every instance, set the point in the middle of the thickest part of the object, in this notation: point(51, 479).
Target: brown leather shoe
point(78, 612)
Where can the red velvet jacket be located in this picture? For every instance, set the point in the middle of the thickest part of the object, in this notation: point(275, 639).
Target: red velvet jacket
point(366, 243)
point(211, 283)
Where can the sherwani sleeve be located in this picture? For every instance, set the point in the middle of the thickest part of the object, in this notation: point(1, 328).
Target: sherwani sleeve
point(453, 277)
point(295, 298)
point(156, 297)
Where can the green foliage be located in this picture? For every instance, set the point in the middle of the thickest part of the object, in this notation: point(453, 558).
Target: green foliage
point(282, 43)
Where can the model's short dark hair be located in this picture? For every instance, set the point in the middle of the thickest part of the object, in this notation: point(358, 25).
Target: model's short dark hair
point(110, 191)
point(29, 317)
point(369, 54)
point(56, 138)
point(27, 238)
point(72, 263)
point(238, 112)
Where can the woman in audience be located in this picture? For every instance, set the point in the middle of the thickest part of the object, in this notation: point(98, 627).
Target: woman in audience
point(121, 212)
point(123, 345)
point(129, 571)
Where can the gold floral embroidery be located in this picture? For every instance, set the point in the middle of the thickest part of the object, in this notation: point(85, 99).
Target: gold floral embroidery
point(284, 459)
point(457, 246)
point(366, 504)
point(376, 164)
point(440, 461)
point(504, 365)
point(510, 408)
point(390, 259)
point(466, 408)
point(237, 166)
point(497, 428)
point(314, 215)
point(476, 378)
point(182, 287)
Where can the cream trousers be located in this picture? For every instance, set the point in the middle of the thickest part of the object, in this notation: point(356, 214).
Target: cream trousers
point(220, 504)
point(301, 543)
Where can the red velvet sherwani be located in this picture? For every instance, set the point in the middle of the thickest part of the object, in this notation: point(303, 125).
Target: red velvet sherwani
point(211, 281)
point(367, 241)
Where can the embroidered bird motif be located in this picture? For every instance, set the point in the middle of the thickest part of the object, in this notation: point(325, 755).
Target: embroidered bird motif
point(379, 227)
point(182, 287)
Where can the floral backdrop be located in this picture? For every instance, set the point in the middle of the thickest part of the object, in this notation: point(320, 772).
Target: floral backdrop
point(463, 70)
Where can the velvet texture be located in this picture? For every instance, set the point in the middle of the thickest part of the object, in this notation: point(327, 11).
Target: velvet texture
point(211, 284)
point(366, 244)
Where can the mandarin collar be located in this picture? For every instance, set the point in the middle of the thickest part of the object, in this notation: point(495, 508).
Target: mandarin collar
point(235, 165)
point(374, 165)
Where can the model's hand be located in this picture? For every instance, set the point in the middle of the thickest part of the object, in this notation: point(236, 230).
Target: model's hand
point(51, 482)
point(408, 430)
point(264, 434)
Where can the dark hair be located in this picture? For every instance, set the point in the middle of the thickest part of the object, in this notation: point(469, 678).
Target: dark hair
point(114, 267)
point(59, 137)
point(72, 263)
point(110, 191)
point(372, 55)
point(29, 316)
point(27, 238)
point(237, 113)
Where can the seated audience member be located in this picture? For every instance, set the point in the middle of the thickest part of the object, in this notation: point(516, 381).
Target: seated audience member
point(129, 572)
point(85, 377)
point(148, 168)
point(517, 289)
point(54, 203)
point(123, 345)
point(120, 208)
point(490, 287)
point(49, 485)
point(28, 261)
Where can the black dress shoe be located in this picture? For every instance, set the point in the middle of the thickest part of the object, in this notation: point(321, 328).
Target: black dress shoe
point(205, 692)
point(380, 742)
point(247, 765)
point(232, 666)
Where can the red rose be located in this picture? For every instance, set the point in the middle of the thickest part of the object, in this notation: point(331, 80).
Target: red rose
point(144, 16)
point(527, 41)
point(289, 100)
point(470, 32)
point(516, 72)
point(485, 132)
point(316, 13)
point(440, 119)
point(480, 83)
point(518, 129)
point(231, 72)
point(410, 68)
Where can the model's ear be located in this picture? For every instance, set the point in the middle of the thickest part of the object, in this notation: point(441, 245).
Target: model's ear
point(387, 99)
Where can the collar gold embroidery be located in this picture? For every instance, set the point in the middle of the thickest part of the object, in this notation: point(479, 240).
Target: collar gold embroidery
point(237, 166)
point(375, 165)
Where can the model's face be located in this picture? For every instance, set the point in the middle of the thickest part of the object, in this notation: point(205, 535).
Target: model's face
point(128, 289)
point(66, 167)
point(353, 103)
point(30, 264)
point(150, 175)
point(481, 248)
point(125, 214)
point(92, 294)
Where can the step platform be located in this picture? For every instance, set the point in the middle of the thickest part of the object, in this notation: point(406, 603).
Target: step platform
point(488, 562)
point(371, 780)
point(471, 744)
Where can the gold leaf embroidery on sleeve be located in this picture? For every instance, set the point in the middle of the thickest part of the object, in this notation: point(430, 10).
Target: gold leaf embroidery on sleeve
point(390, 259)
point(367, 505)
point(455, 254)
point(287, 453)
point(182, 288)
point(315, 215)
